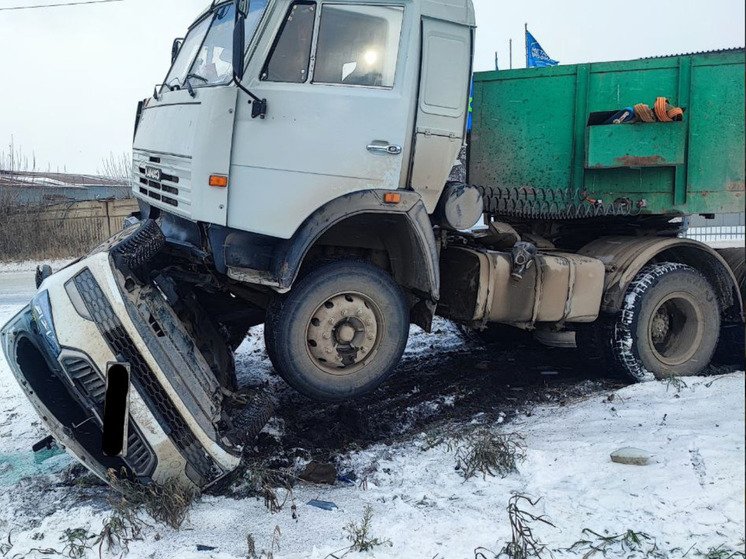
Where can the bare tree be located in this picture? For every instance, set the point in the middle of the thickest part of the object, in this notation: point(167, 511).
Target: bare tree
point(117, 167)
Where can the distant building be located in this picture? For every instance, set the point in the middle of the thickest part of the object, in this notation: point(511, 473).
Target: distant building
point(54, 188)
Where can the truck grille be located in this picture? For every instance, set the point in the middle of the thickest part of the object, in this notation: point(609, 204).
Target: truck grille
point(174, 189)
point(201, 468)
point(90, 383)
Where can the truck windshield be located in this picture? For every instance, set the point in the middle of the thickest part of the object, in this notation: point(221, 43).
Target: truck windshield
point(207, 52)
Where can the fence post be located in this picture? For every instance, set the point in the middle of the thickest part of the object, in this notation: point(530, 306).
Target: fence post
point(108, 219)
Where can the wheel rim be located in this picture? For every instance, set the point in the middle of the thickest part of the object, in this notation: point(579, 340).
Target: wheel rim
point(676, 329)
point(344, 333)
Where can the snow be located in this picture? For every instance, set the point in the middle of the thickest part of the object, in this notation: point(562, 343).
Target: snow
point(30, 266)
point(691, 493)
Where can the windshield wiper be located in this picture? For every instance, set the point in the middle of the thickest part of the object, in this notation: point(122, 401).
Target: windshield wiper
point(189, 84)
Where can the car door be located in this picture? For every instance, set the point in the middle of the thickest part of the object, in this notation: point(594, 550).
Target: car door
point(339, 88)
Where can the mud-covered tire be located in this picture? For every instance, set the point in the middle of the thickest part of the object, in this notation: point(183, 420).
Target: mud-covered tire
point(140, 247)
point(249, 422)
point(372, 305)
point(736, 259)
point(732, 346)
point(669, 324)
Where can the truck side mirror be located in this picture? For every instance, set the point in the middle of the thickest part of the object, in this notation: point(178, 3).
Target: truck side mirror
point(175, 48)
point(239, 37)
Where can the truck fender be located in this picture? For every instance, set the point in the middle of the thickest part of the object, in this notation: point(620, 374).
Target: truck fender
point(624, 257)
point(291, 254)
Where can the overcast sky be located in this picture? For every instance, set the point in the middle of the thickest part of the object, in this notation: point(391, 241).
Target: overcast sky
point(71, 77)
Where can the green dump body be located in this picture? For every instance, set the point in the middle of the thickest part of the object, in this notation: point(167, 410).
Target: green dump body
point(536, 147)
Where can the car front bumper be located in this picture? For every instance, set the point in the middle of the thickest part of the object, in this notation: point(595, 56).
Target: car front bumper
point(173, 426)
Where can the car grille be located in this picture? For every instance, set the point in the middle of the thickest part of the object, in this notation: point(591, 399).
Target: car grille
point(202, 469)
point(88, 381)
point(174, 189)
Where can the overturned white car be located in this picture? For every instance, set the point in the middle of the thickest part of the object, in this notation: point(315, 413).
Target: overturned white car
point(132, 370)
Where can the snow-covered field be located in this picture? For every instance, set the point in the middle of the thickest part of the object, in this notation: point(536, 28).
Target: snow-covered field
point(689, 499)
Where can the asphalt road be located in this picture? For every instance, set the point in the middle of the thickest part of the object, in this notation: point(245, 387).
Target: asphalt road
point(16, 288)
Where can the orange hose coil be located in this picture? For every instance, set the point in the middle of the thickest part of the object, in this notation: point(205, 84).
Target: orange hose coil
point(677, 113)
point(644, 113)
point(662, 106)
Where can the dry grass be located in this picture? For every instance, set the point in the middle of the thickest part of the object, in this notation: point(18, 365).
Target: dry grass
point(523, 543)
point(360, 537)
point(167, 502)
point(27, 233)
point(259, 480)
point(489, 454)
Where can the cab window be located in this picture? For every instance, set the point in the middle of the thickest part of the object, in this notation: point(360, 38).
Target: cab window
point(213, 64)
point(291, 54)
point(358, 45)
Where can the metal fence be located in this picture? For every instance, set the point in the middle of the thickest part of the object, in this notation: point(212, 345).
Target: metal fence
point(95, 219)
point(64, 230)
point(730, 228)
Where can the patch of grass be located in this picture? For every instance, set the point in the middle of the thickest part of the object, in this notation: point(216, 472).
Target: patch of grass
point(675, 382)
point(77, 542)
point(360, 536)
point(263, 482)
point(523, 543)
point(121, 528)
point(489, 454)
point(168, 502)
point(627, 544)
point(274, 546)
point(720, 552)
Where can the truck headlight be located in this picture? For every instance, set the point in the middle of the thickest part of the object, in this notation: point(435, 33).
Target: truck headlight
point(41, 310)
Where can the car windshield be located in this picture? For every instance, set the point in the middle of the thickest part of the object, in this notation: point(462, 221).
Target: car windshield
point(207, 52)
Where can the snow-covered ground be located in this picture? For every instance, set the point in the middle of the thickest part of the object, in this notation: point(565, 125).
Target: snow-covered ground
point(689, 498)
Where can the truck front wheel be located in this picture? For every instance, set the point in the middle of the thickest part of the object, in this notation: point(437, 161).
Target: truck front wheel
point(340, 332)
point(669, 324)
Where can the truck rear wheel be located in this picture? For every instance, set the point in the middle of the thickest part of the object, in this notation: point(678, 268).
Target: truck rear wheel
point(733, 335)
point(340, 332)
point(669, 324)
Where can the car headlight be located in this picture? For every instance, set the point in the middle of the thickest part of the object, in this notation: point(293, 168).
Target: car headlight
point(41, 310)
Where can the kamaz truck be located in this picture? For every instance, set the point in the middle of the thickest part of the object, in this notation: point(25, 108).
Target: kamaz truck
point(292, 170)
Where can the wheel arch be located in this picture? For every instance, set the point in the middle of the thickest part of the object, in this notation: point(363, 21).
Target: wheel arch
point(402, 231)
point(625, 257)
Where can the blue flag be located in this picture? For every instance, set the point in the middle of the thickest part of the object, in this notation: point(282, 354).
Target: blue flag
point(536, 57)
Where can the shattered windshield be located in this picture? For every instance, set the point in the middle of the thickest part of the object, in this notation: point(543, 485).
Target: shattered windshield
point(207, 52)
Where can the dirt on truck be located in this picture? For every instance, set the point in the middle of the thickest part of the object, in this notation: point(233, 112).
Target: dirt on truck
point(293, 171)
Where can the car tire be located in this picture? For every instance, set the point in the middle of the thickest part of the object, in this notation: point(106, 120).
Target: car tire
point(140, 247)
point(669, 324)
point(249, 422)
point(340, 332)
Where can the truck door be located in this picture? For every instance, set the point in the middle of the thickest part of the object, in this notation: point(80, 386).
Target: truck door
point(442, 107)
point(339, 84)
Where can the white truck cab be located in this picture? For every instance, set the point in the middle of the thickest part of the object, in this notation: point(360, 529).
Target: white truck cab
point(349, 96)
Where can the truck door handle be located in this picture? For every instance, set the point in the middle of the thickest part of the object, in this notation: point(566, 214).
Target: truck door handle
point(384, 148)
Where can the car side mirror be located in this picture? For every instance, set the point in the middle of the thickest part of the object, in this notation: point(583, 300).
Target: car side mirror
point(239, 37)
point(175, 48)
